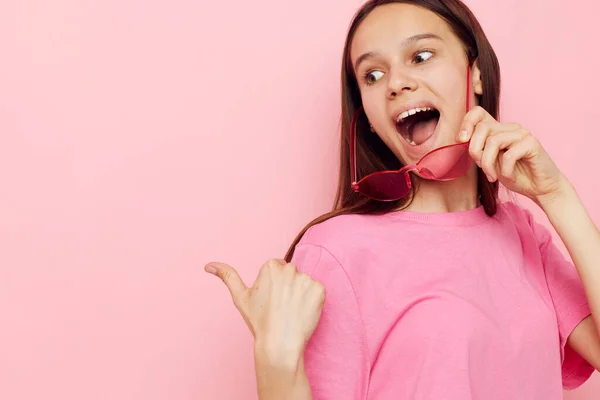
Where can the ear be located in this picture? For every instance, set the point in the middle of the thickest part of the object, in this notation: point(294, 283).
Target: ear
point(476, 81)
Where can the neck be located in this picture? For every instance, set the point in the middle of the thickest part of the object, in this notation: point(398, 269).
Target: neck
point(453, 196)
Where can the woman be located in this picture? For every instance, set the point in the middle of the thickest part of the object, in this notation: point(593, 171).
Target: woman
point(435, 289)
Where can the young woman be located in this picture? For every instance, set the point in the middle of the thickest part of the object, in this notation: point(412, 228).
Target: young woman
point(434, 288)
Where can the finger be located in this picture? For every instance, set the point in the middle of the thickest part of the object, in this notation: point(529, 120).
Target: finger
point(266, 269)
point(275, 262)
point(320, 293)
point(480, 136)
point(524, 148)
point(472, 118)
point(289, 273)
point(271, 263)
point(230, 278)
point(302, 283)
point(493, 145)
point(274, 265)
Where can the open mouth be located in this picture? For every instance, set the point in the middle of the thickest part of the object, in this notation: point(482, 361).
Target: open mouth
point(418, 124)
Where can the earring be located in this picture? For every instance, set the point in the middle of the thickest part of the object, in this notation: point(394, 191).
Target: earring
point(372, 130)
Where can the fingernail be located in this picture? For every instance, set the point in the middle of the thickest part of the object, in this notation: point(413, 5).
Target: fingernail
point(463, 136)
point(210, 269)
point(489, 178)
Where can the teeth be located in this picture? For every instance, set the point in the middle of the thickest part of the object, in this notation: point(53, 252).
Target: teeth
point(412, 111)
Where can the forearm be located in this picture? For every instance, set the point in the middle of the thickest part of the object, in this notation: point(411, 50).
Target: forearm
point(280, 375)
point(581, 238)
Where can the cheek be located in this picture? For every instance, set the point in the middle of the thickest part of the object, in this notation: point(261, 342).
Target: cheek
point(453, 93)
point(454, 107)
point(375, 110)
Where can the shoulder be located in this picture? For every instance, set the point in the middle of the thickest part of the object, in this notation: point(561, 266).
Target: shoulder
point(339, 231)
point(338, 241)
point(512, 209)
point(515, 213)
point(524, 221)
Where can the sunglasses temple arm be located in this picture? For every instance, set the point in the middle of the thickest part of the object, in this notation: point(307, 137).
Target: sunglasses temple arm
point(352, 146)
point(469, 87)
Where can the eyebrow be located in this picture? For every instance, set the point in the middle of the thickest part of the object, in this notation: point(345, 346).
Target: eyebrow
point(406, 42)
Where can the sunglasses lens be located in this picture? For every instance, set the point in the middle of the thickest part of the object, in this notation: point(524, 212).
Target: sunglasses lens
point(385, 185)
point(446, 163)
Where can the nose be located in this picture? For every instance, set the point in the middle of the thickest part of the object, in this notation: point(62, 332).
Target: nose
point(400, 81)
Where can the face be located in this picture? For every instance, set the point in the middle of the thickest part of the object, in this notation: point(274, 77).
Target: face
point(411, 71)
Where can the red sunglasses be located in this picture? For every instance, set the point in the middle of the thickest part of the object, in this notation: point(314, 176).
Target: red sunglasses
point(442, 164)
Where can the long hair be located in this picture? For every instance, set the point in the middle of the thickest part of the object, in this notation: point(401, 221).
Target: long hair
point(372, 154)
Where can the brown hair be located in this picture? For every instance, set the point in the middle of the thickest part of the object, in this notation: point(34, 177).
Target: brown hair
point(372, 153)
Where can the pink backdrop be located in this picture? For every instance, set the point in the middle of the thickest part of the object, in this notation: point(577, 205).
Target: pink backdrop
point(140, 140)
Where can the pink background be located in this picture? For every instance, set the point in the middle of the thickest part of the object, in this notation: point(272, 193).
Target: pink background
point(140, 140)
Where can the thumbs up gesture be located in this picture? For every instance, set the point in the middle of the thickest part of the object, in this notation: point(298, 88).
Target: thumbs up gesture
point(282, 308)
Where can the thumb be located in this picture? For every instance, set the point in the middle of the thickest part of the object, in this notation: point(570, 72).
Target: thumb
point(230, 278)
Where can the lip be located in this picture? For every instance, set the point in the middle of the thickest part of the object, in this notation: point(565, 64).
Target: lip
point(410, 106)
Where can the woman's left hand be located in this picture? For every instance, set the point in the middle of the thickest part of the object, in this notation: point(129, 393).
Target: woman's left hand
point(511, 154)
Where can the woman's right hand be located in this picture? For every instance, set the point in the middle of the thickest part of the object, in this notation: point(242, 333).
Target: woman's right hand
point(282, 308)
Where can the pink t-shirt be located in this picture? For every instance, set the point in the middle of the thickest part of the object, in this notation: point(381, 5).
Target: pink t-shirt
point(439, 306)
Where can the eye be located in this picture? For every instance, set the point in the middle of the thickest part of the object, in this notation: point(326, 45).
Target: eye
point(373, 76)
point(423, 56)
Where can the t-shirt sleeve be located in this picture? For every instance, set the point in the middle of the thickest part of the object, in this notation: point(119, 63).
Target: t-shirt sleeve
point(570, 304)
point(336, 356)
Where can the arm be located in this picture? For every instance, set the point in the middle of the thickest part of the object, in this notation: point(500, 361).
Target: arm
point(582, 240)
point(586, 342)
point(280, 376)
point(281, 309)
point(510, 154)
